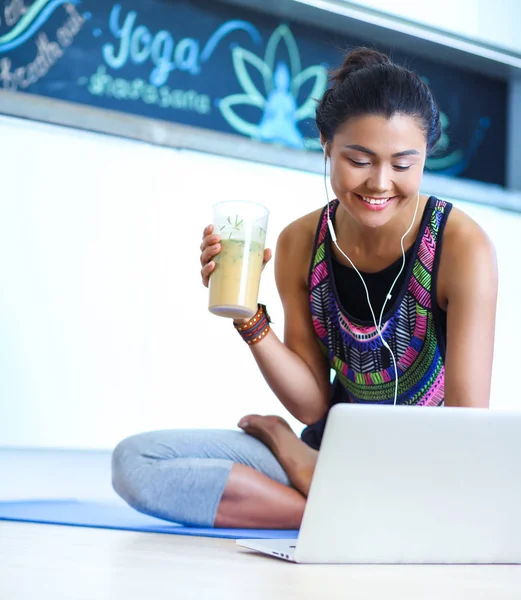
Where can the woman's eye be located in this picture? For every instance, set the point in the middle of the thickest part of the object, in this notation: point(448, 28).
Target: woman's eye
point(357, 163)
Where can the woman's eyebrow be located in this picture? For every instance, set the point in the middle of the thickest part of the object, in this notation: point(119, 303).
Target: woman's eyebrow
point(406, 153)
point(371, 153)
point(360, 149)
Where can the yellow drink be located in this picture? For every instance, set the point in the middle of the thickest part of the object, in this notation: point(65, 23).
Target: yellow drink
point(234, 284)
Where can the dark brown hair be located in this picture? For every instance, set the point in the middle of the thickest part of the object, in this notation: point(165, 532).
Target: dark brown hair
point(368, 83)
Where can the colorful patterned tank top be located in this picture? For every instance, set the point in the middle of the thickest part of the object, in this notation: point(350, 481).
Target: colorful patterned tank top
point(412, 326)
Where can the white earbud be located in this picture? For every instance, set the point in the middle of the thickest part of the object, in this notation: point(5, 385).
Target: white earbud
point(389, 296)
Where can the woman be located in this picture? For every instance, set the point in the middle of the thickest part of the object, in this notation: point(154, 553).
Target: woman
point(411, 324)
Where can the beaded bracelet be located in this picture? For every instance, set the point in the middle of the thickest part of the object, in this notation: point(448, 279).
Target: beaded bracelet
point(256, 328)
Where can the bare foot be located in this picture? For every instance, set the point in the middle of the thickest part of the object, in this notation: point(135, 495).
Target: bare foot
point(296, 457)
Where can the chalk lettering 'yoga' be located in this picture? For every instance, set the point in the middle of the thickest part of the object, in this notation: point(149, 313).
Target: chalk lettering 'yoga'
point(138, 45)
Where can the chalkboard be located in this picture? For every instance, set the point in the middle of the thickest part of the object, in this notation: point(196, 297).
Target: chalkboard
point(224, 68)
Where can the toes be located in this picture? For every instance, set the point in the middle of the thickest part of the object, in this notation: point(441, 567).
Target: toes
point(247, 420)
point(259, 422)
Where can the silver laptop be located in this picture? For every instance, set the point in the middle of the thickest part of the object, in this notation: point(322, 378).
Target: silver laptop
point(408, 484)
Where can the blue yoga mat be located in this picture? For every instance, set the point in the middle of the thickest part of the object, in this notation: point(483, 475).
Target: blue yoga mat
point(81, 513)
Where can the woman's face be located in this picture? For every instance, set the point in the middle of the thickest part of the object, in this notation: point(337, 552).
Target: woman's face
point(377, 166)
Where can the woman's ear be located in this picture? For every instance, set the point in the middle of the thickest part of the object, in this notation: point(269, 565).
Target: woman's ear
point(325, 147)
point(323, 142)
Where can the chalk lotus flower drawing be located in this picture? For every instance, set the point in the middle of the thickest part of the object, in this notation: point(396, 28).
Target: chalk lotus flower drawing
point(282, 82)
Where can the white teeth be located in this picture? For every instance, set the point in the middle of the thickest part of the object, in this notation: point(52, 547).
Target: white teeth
point(374, 201)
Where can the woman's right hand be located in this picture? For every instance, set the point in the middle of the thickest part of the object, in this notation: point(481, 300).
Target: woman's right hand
point(210, 248)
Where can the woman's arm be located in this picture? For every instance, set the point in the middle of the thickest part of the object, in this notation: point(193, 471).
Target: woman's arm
point(295, 370)
point(468, 284)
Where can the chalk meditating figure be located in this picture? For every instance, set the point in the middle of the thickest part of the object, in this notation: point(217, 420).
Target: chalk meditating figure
point(278, 124)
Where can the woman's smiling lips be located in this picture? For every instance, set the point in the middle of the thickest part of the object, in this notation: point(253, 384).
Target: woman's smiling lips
point(373, 203)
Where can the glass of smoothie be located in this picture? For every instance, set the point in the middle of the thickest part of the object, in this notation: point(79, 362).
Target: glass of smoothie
point(234, 283)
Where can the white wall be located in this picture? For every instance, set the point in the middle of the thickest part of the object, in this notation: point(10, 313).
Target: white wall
point(104, 329)
point(495, 23)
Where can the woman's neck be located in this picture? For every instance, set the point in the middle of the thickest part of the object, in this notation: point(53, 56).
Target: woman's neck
point(374, 248)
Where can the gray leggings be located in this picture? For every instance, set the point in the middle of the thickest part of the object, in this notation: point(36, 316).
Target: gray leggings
point(180, 475)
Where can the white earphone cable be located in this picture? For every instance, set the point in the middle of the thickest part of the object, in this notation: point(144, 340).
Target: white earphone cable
point(378, 325)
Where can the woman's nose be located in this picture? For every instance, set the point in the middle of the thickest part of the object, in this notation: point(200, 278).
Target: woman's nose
point(379, 180)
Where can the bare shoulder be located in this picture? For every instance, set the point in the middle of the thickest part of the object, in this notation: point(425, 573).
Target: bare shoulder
point(468, 254)
point(295, 245)
point(463, 236)
point(302, 231)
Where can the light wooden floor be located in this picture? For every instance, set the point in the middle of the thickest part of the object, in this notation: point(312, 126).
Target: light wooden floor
point(42, 562)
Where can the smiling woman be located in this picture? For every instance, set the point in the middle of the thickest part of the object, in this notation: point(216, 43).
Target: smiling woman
point(379, 248)
point(378, 203)
point(383, 172)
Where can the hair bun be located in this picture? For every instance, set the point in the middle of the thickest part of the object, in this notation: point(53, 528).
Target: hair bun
point(360, 58)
